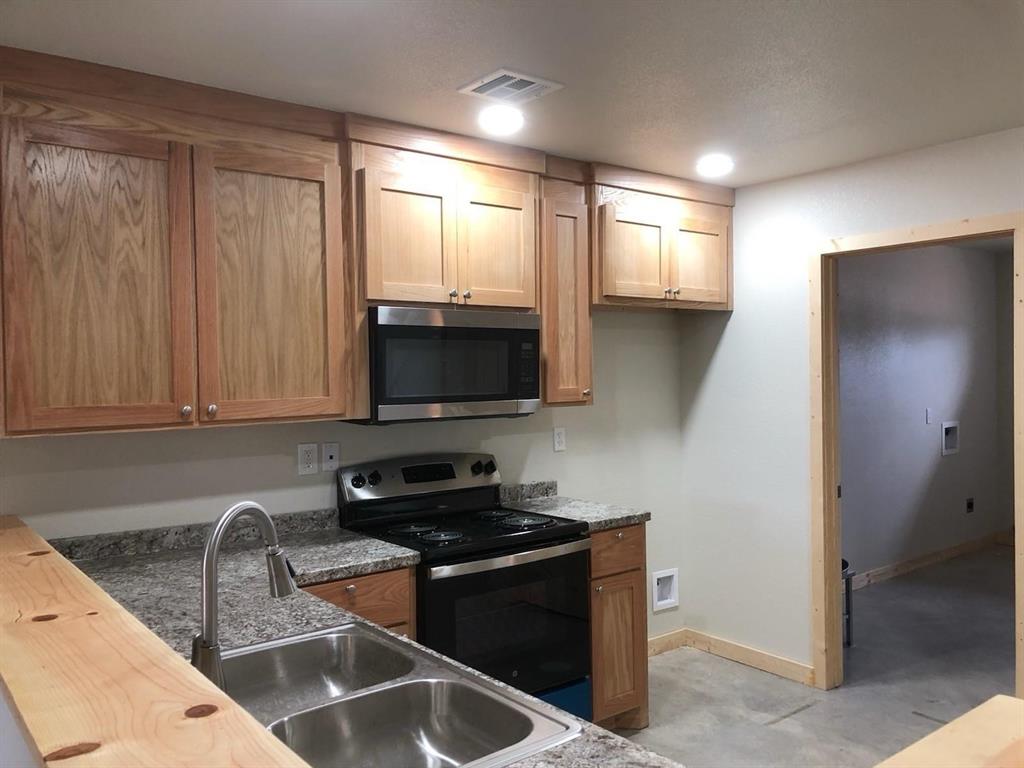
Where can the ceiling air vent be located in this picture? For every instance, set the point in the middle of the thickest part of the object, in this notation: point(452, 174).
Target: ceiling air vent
point(510, 87)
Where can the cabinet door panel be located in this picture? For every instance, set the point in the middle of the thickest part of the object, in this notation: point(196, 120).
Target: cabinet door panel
point(497, 248)
point(268, 262)
point(619, 618)
point(635, 253)
point(98, 279)
point(700, 262)
point(565, 309)
point(408, 236)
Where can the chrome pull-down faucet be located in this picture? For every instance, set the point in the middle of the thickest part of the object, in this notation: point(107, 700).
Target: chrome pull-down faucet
point(206, 642)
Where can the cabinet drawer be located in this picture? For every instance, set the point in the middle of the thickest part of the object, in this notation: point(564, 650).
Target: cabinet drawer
point(380, 597)
point(617, 550)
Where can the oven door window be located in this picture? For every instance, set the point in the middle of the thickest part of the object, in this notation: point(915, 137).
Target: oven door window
point(438, 365)
point(527, 625)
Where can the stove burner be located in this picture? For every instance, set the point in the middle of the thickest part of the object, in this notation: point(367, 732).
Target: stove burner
point(524, 522)
point(493, 514)
point(412, 529)
point(442, 537)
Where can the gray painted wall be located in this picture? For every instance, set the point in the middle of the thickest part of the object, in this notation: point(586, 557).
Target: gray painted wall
point(921, 329)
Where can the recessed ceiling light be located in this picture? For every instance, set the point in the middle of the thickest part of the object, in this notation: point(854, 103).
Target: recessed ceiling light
point(714, 165)
point(500, 119)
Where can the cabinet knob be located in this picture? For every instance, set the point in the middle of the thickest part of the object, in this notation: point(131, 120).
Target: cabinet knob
point(211, 410)
point(587, 392)
point(676, 291)
point(467, 294)
point(350, 588)
point(599, 589)
point(620, 535)
point(668, 290)
point(186, 411)
point(453, 292)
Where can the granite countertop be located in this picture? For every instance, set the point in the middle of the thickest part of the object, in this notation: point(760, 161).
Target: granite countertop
point(597, 516)
point(162, 591)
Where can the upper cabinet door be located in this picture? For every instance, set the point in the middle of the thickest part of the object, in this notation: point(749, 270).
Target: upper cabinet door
point(269, 273)
point(409, 236)
point(497, 246)
point(97, 262)
point(565, 302)
point(635, 258)
point(700, 261)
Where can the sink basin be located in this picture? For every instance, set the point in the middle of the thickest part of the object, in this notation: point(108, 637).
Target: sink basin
point(356, 696)
point(277, 678)
point(422, 724)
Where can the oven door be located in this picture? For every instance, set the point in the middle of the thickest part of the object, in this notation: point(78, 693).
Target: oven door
point(434, 363)
point(523, 618)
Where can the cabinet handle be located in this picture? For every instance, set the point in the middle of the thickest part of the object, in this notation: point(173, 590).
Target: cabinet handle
point(668, 290)
point(453, 292)
point(599, 589)
point(350, 588)
point(467, 294)
point(676, 291)
point(620, 535)
point(211, 410)
point(586, 392)
point(186, 411)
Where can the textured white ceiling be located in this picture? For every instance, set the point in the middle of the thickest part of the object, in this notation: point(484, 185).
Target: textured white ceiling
point(786, 87)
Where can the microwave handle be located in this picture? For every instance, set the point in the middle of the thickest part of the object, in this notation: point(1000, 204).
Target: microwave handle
point(506, 561)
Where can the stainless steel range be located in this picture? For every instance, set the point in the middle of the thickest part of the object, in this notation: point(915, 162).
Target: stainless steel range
point(499, 589)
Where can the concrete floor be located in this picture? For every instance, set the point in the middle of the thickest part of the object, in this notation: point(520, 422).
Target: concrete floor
point(928, 646)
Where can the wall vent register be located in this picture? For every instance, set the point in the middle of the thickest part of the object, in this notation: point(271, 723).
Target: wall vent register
point(508, 87)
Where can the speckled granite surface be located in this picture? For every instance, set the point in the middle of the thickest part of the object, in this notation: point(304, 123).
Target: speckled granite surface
point(598, 516)
point(162, 590)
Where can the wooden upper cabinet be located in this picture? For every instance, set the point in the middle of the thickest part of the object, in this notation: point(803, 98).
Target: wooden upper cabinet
point(497, 246)
point(269, 286)
point(700, 261)
point(409, 236)
point(565, 302)
point(635, 245)
point(98, 291)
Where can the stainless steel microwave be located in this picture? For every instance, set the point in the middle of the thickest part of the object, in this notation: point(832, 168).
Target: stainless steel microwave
point(452, 364)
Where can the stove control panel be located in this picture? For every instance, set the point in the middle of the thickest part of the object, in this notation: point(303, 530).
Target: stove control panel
point(414, 475)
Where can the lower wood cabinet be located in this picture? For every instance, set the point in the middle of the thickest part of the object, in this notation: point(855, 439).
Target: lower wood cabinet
point(387, 598)
point(618, 615)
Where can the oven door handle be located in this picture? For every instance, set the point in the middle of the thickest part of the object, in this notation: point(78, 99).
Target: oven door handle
point(506, 561)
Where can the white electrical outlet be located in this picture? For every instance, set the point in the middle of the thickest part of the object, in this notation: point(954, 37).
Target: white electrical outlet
point(308, 460)
point(559, 439)
point(329, 457)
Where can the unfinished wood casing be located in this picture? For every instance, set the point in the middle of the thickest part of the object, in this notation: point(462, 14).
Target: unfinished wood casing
point(566, 337)
point(98, 293)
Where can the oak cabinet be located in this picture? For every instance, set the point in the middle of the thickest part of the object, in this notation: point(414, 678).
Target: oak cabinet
point(97, 266)
point(618, 616)
point(635, 246)
point(700, 261)
point(387, 598)
point(565, 306)
point(443, 231)
point(269, 277)
point(409, 231)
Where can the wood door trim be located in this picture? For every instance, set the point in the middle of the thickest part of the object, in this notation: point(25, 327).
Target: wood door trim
point(205, 162)
point(21, 416)
point(826, 610)
point(550, 310)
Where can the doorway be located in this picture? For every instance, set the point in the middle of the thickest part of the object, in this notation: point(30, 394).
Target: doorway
point(826, 579)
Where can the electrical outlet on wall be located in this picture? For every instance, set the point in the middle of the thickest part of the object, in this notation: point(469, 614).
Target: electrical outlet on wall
point(329, 457)
point(559, 439)
point(308, 460)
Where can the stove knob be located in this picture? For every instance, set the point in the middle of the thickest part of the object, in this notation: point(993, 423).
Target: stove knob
point(477, 468)
point(490, 468)
point(374, 478)
point(358, 481)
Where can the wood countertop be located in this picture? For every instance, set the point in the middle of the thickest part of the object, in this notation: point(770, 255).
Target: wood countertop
point(989, 736)
point(87, 680)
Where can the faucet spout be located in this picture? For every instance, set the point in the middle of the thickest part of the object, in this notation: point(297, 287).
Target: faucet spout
point(206, 643)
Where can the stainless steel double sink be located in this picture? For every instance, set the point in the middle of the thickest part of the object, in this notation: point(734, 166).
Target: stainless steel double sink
point(355, 696)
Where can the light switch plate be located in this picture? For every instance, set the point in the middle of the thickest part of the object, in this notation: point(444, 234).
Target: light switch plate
point(559, 439)
point(308, 460)
point(329, 457)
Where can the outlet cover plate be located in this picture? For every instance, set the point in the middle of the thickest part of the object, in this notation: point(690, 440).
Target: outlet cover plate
point(309, 462)
point(558, 437)
point(329, 457)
